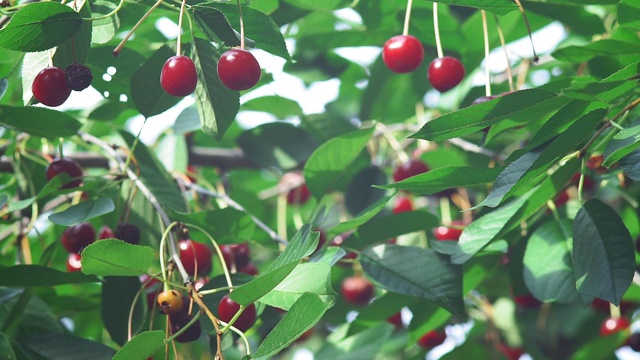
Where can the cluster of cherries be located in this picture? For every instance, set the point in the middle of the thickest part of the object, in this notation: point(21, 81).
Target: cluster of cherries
point(52, 86)
point(404, 53)
point(238, 70)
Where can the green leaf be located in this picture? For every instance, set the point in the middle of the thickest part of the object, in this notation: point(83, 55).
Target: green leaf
point(104, 29)
point(263, 284)
point(214, 24)
point(76, 49)
point(605, 47)
point(82, 212)
point(258, 27)
point(155, 176)
point(146, 92)
point(51, 187)
point(304, 313)
point(227, 226)
point(312, 278)
point(379, 310)
point(277, 145)
point(141, 346)
point(40, 26)
point(39, 121)
point(278, 106)
point(361, 192)
point(629, 14)
point(330, 255)
point(616, 149)
point(487, 228)
point(631, 165)
point(363, 345)
point(118, 293)
point(327, 165)
point(37, 275)
point(536, 162)
point(548, 267)
point(603, 252)
point(383, 228)
point(477, 117)
point(64, 347)
point(576, 18)
point(217, 105)
point(116, 257)
point(361, 218)
point(416, 272)
point(303, 244)
point(316, 4)
point(436, 180)
point(499, 7)
point(5, 348)
point(601, 347)
point(112, 87)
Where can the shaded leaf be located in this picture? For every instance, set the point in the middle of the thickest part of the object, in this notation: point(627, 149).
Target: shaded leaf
point(603, 252)
point(65, 347)
point(118, 293)
point(416, 272)
point(262, 285)
point(448, 177)
point(141, 346)
point(39, 121)
point(361, 218)
point(629, 14)
point(499, 7)
point(37, 275)
point(383, 228)
point(227, 226)
point(82, 212)
point(146, 92)
point(312, 278)
point(363, 345)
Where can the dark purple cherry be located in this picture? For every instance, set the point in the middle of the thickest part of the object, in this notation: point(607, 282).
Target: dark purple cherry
point(77, 237)
point(68, 166)
point(127, 232)
point(78, 77)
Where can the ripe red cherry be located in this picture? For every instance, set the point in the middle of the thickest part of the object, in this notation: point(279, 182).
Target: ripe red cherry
point(249, 269)
point(228, 308)
point(127, 232)
point(194, 254)
point(227, 254)
point(445, 73)
point(50, 87)
point(595, 163)
point(396, 320)
point(299, 192)
point(452, 232)
point(611, 326)
point(527, 301)
point(511, 353)
point(105, 233)
point(178, 76)
point(74, 262)
point(241, 254)
point(339, 240)
point(402, 53)
point(77, 237)
point(67, 166)
point(431, 339)
point(238, 69)
point(403, 204)
point(562, 199)
point(357, 290)
point(410, 168)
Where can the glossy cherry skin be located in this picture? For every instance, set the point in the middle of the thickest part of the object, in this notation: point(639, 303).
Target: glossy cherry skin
point(431, 339)
point(357, 290)
point(68, 166)
point(105, 233)
point(451, 233)
point(50, 87)
point(179, 76)
point(191, 334)
point(241, 254)
point(298, 195)
point(228, 308)
point(445, 73)
point(194, 254)
point(238, 69)
point(127, 232)
point(249, 269)
point(611, 326)
point(396, 320)
point(403, 204)
point(410, 168)
point(562, 199)
point(77, 237)
point(402, 53)
point(74, 262)
point(339, 240)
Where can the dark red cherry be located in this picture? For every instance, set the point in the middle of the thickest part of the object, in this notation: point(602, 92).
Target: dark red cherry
point(611, 326)
point(410, 168)
point(339, 240)
point(396, 320)
point(227, 254)
point(50, 87)
point(431, 339)
point(451, 232)
point(588, 183)
point(357, 290)
point(179, 76)
point(238, 69)
point(527, 301)
point(562, 199)
point(403, 204)
point(298, 191)
point(634, 342)
point(77, 237)
point(195, 255)
point(78, 77)
point(127, 232)
point(402, 53)
point(511, 353)
point(68, 166)
point(249, 269)
point(604, 306)
point(74, 262)
point(445, 73)
point(191, 334)
point(228, 308)
point(241, 254)
point(595, 163)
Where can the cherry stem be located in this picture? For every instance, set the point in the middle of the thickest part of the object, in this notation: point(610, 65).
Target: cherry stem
point(179, 44)
point(233, 319)
point(407, 17)
point(506, 53)
point(118, 48)
point(241, 24)
point(281, 216)
point(445, 211)
point(614, 311)
point(526, 22)
point(436, 30)
point(487, 74)
point(399, 152)
point(163, 269)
